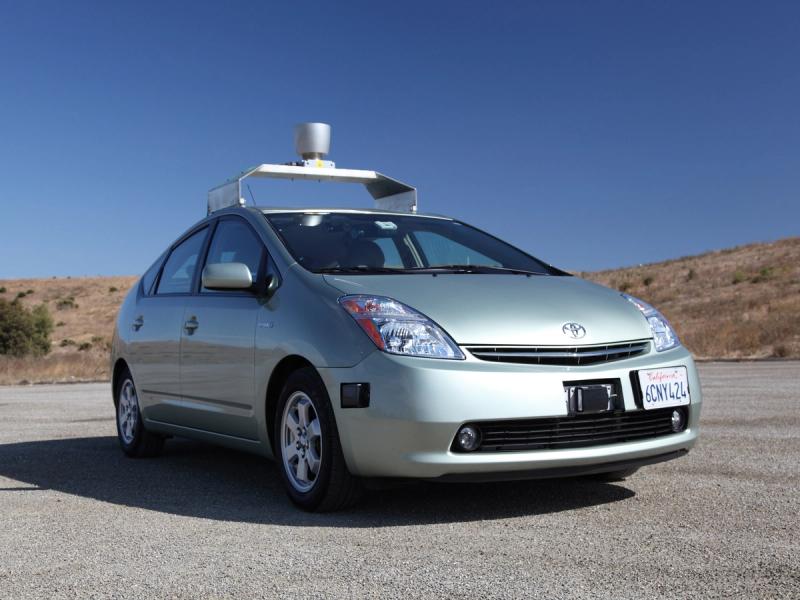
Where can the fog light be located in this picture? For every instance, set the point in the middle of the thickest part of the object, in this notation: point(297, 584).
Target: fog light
point(468, 438)
point(678, 420)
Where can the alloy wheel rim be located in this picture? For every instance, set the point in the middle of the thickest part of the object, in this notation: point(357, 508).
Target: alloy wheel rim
point(301, 441)
point(127, 412)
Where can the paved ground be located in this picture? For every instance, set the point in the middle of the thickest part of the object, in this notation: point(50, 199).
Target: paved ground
point(79, 520)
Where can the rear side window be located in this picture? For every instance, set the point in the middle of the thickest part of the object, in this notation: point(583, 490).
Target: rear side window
point(178, 272)
point(149, 278)
point(234, 241)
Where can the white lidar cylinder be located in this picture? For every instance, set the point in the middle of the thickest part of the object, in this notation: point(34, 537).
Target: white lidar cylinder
point(312, 140)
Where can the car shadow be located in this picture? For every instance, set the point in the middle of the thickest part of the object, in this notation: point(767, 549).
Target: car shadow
point(199, 480)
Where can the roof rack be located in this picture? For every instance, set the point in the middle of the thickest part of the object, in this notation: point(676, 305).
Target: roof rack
point(312, 141)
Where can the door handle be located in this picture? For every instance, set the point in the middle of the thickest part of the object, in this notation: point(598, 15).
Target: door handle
point(137, 324)
point(191, 325)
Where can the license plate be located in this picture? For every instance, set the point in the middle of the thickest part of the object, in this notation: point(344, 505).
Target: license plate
point(662, 388)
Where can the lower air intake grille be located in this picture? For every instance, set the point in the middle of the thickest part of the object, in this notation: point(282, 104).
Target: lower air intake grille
point(569, 356)
point(577, 431)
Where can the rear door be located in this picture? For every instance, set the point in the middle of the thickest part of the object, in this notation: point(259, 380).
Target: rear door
point(157, 326)
point(218, 340)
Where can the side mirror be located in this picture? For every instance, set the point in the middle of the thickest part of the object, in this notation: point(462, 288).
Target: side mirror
point(227, 276)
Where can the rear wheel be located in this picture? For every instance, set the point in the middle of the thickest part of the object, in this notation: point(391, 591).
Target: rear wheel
point(308, 448)
point(134, 439)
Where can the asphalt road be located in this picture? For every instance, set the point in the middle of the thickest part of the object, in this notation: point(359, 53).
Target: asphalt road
point(77, 519)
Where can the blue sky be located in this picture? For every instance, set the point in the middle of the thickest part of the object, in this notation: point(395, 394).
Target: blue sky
point(592, 134)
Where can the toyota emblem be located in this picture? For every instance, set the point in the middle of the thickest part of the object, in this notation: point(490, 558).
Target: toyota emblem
point(574, 330)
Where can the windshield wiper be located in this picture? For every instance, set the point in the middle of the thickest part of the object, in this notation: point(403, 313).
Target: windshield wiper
point(474, 269)
point(359, 269)
point(431, 269)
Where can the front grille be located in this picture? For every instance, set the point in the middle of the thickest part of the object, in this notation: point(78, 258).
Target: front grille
point(568, 356)
point(577, 431)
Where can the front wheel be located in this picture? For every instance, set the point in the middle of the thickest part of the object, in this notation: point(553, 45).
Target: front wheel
point(308, 448)
point(134, 439)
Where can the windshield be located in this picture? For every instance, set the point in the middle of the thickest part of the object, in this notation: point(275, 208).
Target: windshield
point(382, 243)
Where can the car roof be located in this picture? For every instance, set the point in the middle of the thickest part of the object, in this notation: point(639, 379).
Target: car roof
point(366, 211)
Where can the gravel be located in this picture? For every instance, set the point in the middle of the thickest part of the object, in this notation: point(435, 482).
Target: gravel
point(77, 519)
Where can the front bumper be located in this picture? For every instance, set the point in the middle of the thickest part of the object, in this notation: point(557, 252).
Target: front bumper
point(417, 405)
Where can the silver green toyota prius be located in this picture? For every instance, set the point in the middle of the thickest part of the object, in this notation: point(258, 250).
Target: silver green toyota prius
point(352, 345)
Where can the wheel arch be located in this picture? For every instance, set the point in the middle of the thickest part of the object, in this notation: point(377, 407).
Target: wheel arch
point(119, 368)
point(286, 366)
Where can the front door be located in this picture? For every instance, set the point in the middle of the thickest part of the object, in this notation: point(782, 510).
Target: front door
point(156, 331)
point(218, 341)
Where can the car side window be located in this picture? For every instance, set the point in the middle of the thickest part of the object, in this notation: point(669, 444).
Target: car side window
point(235, 241)
point(149, 278)
point(178, 273)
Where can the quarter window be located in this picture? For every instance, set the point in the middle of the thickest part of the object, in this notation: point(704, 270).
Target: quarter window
point(149, 278)
point(179, 271)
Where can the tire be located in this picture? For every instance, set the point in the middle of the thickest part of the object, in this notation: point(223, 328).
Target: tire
point(612, 476)
point(133, 437)
point(307, 447)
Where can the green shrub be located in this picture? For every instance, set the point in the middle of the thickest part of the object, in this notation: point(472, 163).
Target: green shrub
point(781, 351)
point(67, 342)
point(738, 277)
point(690, 275)
point(21, 295)
point(60, 324)
point(625, 286)
point(763, 275)
point(84, 347)
point(24, 331)
point(29, 292)
point(66, 303)
point(113, 289)
point(3, 289)
point(647, 281)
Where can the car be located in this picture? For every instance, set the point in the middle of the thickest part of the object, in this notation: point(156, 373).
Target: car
point(354, 345)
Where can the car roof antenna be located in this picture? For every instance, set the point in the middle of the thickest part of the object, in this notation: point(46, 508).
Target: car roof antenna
point(252, 197)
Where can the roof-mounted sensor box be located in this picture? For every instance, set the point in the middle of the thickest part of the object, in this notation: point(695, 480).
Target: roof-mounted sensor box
point(312, 142)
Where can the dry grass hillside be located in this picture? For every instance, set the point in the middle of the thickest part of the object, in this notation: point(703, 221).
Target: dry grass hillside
point(83, 311)
point(741, 302)
point(737, 303)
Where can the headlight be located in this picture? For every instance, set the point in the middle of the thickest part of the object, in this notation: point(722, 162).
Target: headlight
point(664, 335)
point(399, 329)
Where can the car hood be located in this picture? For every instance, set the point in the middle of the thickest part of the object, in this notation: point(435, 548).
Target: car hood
point(508, 309)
